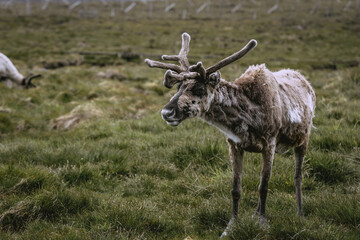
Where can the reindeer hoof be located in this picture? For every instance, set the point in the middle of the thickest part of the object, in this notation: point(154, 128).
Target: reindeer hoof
point(264, 223)
point(224, 234)
point(228, 228)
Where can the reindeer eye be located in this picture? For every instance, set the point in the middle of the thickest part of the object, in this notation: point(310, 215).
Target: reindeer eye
point(198, 91)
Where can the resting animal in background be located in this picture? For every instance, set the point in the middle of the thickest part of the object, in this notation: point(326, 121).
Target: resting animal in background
point(9, 71)
point(262, 111)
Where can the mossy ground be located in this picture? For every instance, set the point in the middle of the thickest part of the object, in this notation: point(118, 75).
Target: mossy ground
point(127, 175)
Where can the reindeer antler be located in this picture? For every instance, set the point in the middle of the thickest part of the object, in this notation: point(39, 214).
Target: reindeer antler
point(176, 73)
point(205, 73)
point(226, 61)
point(27, 80)
point(181, 58)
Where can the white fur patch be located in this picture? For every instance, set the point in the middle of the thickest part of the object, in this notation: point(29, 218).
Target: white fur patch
point(225, 131)
point(295, 115)
point(221, 97)
point(310, 102)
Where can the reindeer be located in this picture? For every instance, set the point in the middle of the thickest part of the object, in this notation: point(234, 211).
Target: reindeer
point(262, 111)
point(9, 71)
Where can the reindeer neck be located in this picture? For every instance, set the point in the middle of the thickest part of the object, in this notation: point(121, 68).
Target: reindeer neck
point(230, 110)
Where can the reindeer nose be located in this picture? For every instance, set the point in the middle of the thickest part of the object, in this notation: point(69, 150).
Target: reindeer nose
point(167, 113)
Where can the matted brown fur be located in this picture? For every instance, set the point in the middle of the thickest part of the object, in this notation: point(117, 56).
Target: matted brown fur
point(262, 111)
point(260, 105)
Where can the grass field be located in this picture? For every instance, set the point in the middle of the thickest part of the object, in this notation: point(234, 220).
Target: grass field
point(124, 174)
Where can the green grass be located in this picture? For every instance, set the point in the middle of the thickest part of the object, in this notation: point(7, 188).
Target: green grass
point(125, 174)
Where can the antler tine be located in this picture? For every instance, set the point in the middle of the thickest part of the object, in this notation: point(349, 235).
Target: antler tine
point(34, 76)
point(171, 78)
point(226, 61)
point(182, 56)
point(27, 80)
point(198, 68)
point(156, 64)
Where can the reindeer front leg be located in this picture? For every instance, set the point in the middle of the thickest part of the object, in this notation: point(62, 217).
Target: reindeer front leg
point(236, 158)
point(266, 166)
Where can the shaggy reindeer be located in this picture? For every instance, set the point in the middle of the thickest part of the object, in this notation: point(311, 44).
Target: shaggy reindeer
point(9, 71)
point(262, 111)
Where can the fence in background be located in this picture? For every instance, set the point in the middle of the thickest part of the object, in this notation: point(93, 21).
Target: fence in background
point(180, 9)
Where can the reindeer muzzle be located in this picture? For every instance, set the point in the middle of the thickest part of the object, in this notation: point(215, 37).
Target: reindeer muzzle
point(170, 117)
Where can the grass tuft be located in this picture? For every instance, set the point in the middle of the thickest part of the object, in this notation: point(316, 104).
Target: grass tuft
point(6, 125)
point(124, 218)
point(331, 168)
point(44, 205)
point(77, 176)
point(208, 155)
point(340, 209)
point(209, 219)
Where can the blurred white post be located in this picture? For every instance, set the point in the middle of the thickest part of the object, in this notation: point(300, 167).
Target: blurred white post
point(202, 7)
point(236, 8)
point(184, 14)
point(130, 7)
point(28, 7)
point(254, 15)
point(122, 4)
point(112, 12)
point(347, 6)
point(150, 9)
point(74, 5)
point(169, 7)
point(45, 4)
point(292, 10)
point(221, 8)
point(273, 8)
point(329, 9)
point(315, 7)
point(8, 3)
point(191, 3)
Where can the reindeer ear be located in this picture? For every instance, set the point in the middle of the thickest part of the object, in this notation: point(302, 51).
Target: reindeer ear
point(214, 78)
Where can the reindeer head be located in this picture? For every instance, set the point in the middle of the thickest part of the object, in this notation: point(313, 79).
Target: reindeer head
point(196, 84)
point(26, 82)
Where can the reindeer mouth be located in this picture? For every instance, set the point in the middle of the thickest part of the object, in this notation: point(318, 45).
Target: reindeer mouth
point(170, 117)
point(173, 123)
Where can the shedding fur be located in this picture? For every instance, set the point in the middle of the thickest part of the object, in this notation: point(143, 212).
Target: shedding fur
point(261, 111)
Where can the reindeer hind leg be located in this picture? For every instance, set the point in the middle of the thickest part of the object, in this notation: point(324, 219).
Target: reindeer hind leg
point(299, 155)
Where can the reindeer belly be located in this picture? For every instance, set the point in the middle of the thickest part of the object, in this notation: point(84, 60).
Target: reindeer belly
point(244, 139)
point(292, 136)
point(228, 133)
